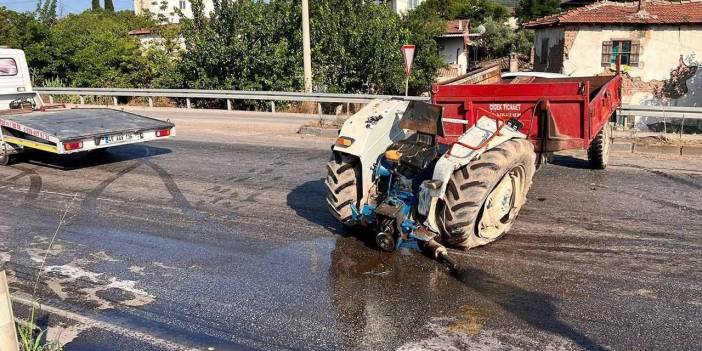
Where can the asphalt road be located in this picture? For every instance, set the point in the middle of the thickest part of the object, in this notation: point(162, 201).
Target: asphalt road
point(192, 244)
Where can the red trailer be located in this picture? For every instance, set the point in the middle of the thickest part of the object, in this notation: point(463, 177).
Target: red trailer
point(557, 113)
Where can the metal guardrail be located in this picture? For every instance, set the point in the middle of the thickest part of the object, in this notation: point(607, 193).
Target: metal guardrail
point(661, 111)
point(228, 95)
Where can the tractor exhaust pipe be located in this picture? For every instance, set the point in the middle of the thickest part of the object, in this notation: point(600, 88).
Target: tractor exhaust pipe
point(439, 252)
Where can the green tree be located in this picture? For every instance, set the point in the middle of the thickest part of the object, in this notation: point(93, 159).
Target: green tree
point(247, 45)
point(95, 5)
point(499, 40)
point(475, 10)
point(46, 11)
point(528, 10)
point(105, 57)
point(422, 28)
point(109, 6)
point(254, 45)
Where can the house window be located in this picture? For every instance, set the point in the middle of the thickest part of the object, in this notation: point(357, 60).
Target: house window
point(183, 4)
point(8, 67)
point(543, 58)
point(629, 51)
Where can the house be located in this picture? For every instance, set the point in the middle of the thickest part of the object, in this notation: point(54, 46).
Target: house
point(660, 44)
point(401, 6)
point(455, 46)
point(169, 8)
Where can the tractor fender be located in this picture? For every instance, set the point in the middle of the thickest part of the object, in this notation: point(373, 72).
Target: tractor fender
point(372, 130)
point(459, 156)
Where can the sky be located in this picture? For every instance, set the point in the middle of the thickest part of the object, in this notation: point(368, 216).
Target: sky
point(67, 6)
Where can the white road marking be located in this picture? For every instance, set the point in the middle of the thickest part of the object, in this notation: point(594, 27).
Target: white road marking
point(109, 327)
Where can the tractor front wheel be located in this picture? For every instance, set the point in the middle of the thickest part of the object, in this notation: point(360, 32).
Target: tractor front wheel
point(483, 198)
point(343, 186)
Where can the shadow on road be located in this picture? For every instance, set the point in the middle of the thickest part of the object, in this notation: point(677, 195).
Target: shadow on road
point(570, 162)
point(536, 309)
point(309, 201)
point(94, 158)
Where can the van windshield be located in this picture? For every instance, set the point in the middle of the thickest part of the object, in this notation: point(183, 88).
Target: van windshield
point(8, 67)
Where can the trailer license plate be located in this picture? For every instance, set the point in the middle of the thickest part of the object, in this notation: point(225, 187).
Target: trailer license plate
point(120, 138)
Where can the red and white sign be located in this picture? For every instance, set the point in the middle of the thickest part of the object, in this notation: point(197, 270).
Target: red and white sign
point(408, 52)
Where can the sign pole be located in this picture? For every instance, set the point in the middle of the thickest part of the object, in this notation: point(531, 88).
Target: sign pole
point(408, 53)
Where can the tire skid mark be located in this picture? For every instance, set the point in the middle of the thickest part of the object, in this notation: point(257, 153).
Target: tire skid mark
point(180, 199)
point(678, 180)
point(90, 201)
point(35, 182)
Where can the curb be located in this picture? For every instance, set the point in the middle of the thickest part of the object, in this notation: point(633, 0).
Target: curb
point(641, 148)
point(320, 132)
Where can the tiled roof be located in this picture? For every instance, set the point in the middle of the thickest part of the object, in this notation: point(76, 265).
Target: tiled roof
point(140, 31)
point(457, 26)
point(639, 12)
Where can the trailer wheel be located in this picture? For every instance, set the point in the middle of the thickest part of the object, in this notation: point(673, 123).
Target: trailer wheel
point(6, 160)
point(598, 152)
point(484, 198)
point(343, 186)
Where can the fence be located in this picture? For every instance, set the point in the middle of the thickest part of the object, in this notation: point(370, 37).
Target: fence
point(678, 118)
point(228, 95)
point(664, 119)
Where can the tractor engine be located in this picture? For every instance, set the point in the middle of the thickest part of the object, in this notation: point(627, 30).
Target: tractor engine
point(398, 201)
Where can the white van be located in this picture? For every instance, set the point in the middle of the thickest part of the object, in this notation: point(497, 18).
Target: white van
point(15, 81)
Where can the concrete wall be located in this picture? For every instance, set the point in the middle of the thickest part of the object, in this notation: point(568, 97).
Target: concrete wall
point(551, 59)
point(154, 6)
point(658, 79)
point(452, 51)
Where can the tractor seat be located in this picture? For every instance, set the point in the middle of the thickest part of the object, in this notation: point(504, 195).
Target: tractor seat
point(414, 153)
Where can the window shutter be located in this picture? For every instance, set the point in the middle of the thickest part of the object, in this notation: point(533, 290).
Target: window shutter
point(606, 53)
point(634, 57)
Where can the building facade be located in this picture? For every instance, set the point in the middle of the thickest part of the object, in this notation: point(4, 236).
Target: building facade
point(169, 8)
point(454, 45)
point(660, 44)
point(401, 6)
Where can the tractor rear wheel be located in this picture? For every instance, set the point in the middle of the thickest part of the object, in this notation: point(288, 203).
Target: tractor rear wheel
point(598, 152)
point(483, 198)
point(344, 186)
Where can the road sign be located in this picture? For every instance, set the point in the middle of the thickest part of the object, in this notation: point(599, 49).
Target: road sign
point(408, 52)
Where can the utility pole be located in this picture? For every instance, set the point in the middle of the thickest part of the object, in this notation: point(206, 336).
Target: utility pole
point(306, 50)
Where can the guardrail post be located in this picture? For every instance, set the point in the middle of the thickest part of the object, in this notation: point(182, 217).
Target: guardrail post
point(229, 105)
point(319, 108)
point(348, 109)
point(82, 99)
point(273, 106)
point(187, 103)
point(51, 99)
point(682, 125)
point(114, 99)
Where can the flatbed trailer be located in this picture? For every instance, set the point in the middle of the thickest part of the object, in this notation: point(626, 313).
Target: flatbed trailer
point(26, 122)
point(68, 131)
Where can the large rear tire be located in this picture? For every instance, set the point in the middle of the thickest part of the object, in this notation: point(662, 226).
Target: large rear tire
point(483, 198)
point(598, 152)
point(344, 186)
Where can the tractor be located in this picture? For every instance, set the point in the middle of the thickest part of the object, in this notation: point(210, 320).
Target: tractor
point(455, 172)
